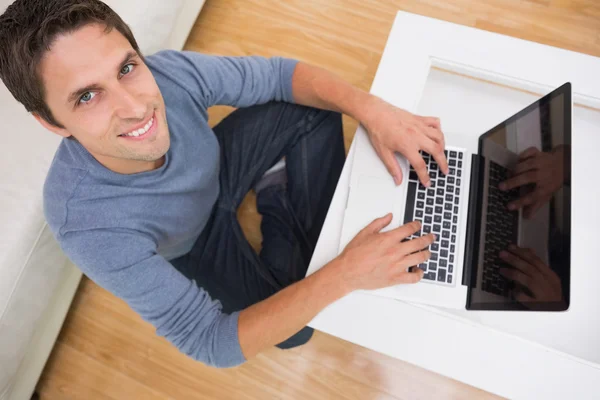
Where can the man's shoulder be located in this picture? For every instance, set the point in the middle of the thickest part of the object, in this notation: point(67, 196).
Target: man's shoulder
point(183, 78)
point(66, 172)
point(170, 63)
point(169, 57)
point(185, 68)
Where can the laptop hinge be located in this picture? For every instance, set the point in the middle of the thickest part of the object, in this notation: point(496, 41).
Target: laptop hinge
point(473, 221)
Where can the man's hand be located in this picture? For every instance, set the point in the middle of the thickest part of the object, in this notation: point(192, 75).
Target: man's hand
point(541, 282)
point(392, 129)
point(544, 170)
point(374, 260)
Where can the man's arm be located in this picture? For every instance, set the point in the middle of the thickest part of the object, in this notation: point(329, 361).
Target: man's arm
point(390, 129)
point(371, 260)
point(125, 263)
point(316, 87)
point(275, 319)
point(233, 81)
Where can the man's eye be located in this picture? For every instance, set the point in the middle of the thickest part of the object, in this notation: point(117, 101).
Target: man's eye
point(87, 96)
point(126, 69)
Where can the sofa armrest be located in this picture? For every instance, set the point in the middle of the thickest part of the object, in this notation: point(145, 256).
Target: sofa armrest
point(45, 336)
point(185, 22)
point(176, 24)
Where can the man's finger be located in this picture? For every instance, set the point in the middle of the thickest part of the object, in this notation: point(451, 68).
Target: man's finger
point(524, 253)
point(417, 244)
point(517, 276)
point(529, 152)
point(519, 180)
point(524, 166)
point(523, 201)
point(518, 263)
point(523, 298)
point(391, 163)
point(434, 134)
point(409, 277)
point(437, 151)
point(398, 234)
point(532, 258)
point(439, 137)
point(434, 122)
point(377, 224)
point(415, 159)
point(374, 227)
point(413, 259)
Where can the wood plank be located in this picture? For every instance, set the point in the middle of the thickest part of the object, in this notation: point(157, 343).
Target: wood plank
point(115, 337)
point(581, 7)
point(540, 2)
point(399, 378)
point(70, 374)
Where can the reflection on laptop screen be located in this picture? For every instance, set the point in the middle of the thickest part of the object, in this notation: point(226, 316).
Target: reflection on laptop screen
point(522, 238)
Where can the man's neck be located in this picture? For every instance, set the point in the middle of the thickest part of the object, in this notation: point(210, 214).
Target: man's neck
point(128, 167)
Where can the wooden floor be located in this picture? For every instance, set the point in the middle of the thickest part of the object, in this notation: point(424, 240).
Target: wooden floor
point(105, 351)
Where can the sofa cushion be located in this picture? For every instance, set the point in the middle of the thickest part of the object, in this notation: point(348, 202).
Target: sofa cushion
point(31, 261)
point(151, 21)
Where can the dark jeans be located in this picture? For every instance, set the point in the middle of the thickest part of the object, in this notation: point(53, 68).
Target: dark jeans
point(252, 140)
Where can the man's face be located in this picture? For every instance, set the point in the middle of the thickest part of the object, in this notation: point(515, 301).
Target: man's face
point(99, 89)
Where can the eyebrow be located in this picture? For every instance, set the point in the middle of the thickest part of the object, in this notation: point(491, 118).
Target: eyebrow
point(94, 86)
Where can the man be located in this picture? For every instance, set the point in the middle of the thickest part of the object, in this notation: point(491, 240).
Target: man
point(142, 193)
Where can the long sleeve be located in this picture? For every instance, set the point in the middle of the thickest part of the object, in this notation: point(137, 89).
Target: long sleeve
point(233, 81)
point(126, 264)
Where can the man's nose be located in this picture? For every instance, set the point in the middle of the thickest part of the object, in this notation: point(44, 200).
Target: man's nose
point(128, 106)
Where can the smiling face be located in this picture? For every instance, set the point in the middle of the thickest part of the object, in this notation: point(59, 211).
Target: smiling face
point(100, 90)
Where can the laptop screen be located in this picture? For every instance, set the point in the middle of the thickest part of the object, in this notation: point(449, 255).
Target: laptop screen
point(521, 233)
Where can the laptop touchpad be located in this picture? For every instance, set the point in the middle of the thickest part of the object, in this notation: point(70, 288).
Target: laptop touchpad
point(371, 198)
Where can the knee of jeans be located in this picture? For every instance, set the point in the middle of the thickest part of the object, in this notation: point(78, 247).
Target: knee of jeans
point(300, 338)
point(333, 119)
point(334, 116)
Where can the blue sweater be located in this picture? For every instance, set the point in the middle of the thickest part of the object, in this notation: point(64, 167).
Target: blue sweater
point(122, 230)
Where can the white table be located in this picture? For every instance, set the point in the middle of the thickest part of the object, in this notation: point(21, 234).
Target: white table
point(477, 354)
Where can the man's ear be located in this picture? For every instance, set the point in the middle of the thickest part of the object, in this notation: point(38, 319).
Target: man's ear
point(59, 131)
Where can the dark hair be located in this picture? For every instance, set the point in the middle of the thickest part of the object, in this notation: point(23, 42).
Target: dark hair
point(28, 29)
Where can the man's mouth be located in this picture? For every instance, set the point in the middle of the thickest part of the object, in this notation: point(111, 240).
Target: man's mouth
point(139, 134)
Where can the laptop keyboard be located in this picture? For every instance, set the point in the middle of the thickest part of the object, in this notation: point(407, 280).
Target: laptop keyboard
point(437, 209)
point(501, 230)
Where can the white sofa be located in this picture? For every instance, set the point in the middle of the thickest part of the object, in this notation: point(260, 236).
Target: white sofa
point(37, 281)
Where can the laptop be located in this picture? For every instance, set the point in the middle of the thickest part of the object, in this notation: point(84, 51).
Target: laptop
point(469, 213)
